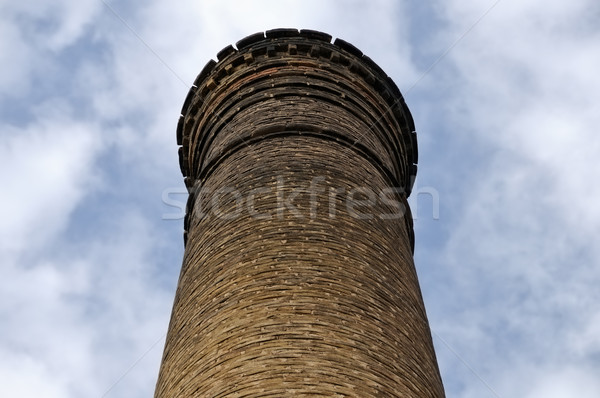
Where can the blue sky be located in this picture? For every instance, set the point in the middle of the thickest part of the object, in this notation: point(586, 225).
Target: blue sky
point(505, 100)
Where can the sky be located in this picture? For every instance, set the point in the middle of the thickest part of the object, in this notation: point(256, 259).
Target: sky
point(505, 99)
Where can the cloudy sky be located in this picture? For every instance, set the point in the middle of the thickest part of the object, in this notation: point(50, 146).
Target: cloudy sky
point(505, 96)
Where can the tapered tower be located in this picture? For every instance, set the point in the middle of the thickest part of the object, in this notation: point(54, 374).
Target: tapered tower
point(298, 275)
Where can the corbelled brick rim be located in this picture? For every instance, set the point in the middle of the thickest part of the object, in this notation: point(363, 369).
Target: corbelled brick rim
point(304, 44)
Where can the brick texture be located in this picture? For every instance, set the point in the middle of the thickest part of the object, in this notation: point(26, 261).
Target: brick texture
point(298, 276)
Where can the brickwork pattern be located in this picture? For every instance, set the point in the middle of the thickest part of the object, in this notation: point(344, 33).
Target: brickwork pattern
point(294, 301)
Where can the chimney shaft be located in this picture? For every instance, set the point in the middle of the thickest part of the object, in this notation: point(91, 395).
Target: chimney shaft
point(298, 275)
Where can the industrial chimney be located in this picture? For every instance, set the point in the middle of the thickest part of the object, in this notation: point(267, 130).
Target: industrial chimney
point(298, 276)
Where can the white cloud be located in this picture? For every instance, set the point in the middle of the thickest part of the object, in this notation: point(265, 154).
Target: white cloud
point(520, 246)
point(566, 382)
point(41, 331)
point(35, 32)
point(47, 167)
point(15, 58)
point(38, 381)
point(75, 322)
point(52, 25)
